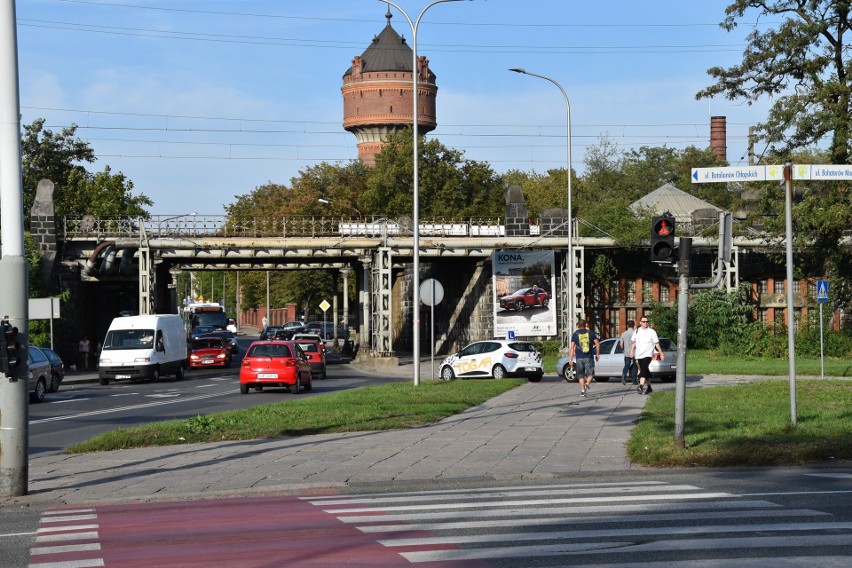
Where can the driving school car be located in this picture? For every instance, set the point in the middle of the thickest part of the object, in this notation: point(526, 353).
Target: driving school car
point(494, 358)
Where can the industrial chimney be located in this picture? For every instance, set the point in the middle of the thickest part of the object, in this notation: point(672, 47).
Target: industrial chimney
point(719, 137)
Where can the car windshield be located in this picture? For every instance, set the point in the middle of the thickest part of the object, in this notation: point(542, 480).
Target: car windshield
point(129, 339)
point(269, 350)
point(207, 344)
point(308, 347)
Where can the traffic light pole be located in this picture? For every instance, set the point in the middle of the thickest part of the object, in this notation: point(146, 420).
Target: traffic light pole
point(14, 395)
point(685, 250)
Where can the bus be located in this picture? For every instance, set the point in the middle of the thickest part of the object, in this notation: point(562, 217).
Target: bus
point(204, 313)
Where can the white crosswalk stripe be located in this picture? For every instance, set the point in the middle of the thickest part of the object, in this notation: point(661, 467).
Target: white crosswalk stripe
point(64, 540)
point(608, 524)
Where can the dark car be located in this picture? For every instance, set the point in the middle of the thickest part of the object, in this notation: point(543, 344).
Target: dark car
point(525, 298)
point(229, 337)
point(200, 330)
point(268, 332)
point(39, 374)
point(57, 369)
point(326, 330)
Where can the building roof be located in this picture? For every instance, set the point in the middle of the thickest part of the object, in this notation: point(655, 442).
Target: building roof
point(387, 52)
point(669, 198)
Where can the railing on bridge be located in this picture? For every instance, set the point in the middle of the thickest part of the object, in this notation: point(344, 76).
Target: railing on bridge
point(172, 226)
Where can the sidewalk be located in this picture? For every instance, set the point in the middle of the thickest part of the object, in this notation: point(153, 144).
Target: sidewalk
point(537, 431)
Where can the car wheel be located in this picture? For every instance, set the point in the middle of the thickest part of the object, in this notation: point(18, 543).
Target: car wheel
point(519, 305)
point(104, 381)
point(243, 388)
point(545, 303)
point(179, 373)
point(155, 376)
point(54, 383)
point(535, 378)
point(498, 372)
point(447, 374)
point(569, 373)
point(40, 391)
point(295, 389)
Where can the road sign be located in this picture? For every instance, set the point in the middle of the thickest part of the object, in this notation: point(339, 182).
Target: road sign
point(773, 172)
point(325, 305)
point(431, 292)
point(822, 290)
point(743, 173)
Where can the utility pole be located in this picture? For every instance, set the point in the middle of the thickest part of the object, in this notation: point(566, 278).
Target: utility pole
point(14, 395)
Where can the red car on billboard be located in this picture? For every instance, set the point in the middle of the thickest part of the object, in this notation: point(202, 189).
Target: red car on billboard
point(524, 298)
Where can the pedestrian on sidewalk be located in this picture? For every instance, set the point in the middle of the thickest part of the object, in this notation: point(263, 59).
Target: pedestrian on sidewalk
point(583, 343)
point(645, 341)
point(84, 348)
point(626, 342)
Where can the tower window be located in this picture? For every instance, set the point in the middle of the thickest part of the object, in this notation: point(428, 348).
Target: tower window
point(391, 109)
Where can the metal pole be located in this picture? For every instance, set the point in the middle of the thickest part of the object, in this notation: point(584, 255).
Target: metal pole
point(821, 354)
point(572, 309)
point(416, 220)
point(268, 321)
point(14, 397)
point(791, 315)
point(432, 327)
point(682, 323)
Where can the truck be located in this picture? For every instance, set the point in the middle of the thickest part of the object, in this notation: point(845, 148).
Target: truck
point(143, 347)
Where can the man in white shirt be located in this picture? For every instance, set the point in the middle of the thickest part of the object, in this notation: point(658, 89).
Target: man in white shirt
point(645, 341)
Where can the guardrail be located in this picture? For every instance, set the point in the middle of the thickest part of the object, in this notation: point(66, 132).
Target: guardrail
point(172, 226)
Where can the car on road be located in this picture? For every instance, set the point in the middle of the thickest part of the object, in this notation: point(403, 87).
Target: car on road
point(612, 362)
point(200, 330)
point(494, 358)
point(275, 364)
point(209, 352)
point(525, 298)
point(312, 337)
point(229, 337)
point(57, 369)
point(315, 355)
point(39, 374)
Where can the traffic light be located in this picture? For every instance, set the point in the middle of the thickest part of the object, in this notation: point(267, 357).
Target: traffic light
point(662, 238)
point(10, 349)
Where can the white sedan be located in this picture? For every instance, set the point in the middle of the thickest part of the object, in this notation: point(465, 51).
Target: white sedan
point(612, 362)
point(494, 358)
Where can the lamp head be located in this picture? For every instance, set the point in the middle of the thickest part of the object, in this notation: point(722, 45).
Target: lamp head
point(518, 70)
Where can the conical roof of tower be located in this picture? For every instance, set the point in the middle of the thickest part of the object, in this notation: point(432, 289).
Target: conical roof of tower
point(387, 52)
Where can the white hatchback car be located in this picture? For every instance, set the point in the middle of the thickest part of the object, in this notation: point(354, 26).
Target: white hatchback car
point(494, 358)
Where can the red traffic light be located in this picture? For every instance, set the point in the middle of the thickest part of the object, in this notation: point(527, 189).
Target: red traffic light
point(662, 238)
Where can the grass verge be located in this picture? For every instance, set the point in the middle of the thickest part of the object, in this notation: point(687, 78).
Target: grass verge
point(383, 407)
point(748, 425)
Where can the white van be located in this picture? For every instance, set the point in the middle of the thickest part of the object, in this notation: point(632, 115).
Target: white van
point(143, 347)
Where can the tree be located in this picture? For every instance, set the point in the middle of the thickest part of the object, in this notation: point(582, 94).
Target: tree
point(802, 64)
point(60, 157)
point(449, 185)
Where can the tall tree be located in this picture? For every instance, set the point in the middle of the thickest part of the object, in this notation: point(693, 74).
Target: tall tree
point(61, 158)
point(802, 64)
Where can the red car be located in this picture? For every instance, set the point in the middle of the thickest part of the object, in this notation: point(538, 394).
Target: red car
point(525, 298)
point(315, 356)
point(209, 352)
point(275, 364)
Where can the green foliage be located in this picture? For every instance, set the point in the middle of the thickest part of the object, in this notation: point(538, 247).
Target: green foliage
point(59, 157)
point(716, 316)
point(800, 66)
point(603, 270)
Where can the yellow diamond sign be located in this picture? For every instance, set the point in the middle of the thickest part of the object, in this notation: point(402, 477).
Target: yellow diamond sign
point(325, 305)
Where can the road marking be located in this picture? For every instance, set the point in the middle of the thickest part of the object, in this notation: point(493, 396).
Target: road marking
point(69, 399)
point(831, 475)
point(125, 408)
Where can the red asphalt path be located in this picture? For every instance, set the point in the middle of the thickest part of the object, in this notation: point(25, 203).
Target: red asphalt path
point(269, 531)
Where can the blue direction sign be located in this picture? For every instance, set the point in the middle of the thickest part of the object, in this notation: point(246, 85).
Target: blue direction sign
point(822, 290)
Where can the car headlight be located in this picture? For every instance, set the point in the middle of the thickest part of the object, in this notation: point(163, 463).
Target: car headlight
point(142, 360)
point(105, 361)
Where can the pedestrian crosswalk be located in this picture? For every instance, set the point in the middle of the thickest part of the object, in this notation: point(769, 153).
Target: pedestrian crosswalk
point(67, 538)
point(648, 523)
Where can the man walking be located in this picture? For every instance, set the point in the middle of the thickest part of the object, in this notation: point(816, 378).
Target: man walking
point(582, 343)
point(645, 341)
point(626, 342)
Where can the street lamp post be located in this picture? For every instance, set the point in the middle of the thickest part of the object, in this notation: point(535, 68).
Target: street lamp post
point(571, 298)
point(416, 217)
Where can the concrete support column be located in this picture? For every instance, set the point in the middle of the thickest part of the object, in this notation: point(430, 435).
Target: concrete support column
point(365, 332)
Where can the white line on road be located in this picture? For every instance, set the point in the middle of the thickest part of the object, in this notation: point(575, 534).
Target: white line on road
point(124, 408)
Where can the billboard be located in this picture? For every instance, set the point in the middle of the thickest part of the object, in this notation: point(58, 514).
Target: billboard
point(524, 293)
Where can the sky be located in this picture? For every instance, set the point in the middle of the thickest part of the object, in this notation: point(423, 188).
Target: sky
point(200, 101)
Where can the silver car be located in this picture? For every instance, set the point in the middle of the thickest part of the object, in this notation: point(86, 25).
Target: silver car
point(39, 374)
point(612, 362)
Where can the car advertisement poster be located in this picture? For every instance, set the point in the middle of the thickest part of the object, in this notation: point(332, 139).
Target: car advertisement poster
point(524, 293)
